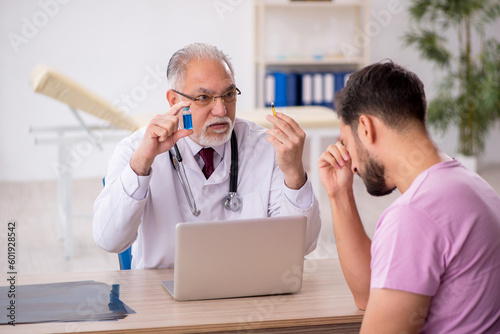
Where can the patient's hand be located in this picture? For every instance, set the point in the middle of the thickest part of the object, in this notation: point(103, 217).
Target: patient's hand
point(335, 170)
point(161, 134)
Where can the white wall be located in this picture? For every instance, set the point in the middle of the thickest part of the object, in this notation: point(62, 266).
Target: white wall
point(111, 46)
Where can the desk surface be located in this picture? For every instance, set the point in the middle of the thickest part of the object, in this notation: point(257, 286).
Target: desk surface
point(324, 304)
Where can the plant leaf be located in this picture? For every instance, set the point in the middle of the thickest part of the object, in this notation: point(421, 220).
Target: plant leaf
point(430, 44)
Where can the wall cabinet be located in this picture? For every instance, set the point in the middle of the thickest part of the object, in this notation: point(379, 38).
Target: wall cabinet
point(309, 37)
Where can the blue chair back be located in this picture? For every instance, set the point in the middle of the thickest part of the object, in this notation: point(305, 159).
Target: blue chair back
point(124, 257)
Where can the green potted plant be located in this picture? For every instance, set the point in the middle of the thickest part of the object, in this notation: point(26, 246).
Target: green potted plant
point(469, 94)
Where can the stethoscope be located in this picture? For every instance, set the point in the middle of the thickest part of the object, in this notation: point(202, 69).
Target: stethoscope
point(232, 201)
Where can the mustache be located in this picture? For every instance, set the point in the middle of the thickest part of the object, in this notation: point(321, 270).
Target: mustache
point(218, 119)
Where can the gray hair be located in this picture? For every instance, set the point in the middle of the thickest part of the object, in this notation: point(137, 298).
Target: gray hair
point(176, 70)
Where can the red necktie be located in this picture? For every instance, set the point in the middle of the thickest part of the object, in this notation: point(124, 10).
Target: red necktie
point(207, 154)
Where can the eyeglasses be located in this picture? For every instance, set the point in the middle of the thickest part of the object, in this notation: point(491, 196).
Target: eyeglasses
point(204, 99)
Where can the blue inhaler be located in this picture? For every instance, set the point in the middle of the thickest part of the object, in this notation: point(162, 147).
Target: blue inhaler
point(186, 118)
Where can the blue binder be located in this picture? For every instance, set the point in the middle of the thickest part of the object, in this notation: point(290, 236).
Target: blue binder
point(280, 89)
point(285, 89)
point(292, 88)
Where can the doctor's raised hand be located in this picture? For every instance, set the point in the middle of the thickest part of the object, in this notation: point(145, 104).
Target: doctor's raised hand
point(161, 134)
point(288, 139)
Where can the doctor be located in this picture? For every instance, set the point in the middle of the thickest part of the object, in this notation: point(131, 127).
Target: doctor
point(144, 200)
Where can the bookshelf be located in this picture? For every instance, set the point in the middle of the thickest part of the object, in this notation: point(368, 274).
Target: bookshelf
point(309, 36)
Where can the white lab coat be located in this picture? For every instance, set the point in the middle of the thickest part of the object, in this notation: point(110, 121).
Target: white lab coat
point(148, 221)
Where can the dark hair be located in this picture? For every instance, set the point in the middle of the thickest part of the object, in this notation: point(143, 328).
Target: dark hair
point(385, 90)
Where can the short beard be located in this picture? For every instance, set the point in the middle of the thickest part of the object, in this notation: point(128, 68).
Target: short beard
point(373, 174)
point(374, 179)
point(205, 140)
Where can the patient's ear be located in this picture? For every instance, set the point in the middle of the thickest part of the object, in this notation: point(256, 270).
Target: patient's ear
point(172, 97)
point(367, 129)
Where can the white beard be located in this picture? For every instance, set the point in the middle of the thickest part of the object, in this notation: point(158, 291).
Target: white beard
point(222, 137)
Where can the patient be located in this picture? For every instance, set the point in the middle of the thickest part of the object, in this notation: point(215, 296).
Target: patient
point(434, 262)
point(144, 200)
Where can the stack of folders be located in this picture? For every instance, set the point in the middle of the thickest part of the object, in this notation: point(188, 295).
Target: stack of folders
point(303, 89)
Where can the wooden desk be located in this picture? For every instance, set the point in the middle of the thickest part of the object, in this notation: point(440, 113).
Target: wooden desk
point(317, 122)
point(324, 305)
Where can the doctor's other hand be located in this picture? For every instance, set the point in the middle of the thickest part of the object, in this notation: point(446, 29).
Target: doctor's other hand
point(335, 170)
point(288, 140)
point(161, 134)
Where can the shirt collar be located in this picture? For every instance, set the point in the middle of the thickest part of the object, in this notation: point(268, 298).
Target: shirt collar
point(195, 148)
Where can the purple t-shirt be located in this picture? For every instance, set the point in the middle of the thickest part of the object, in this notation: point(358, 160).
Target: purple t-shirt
point(441, 238)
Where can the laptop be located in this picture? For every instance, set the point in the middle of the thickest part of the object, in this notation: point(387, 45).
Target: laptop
point(238, 258)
